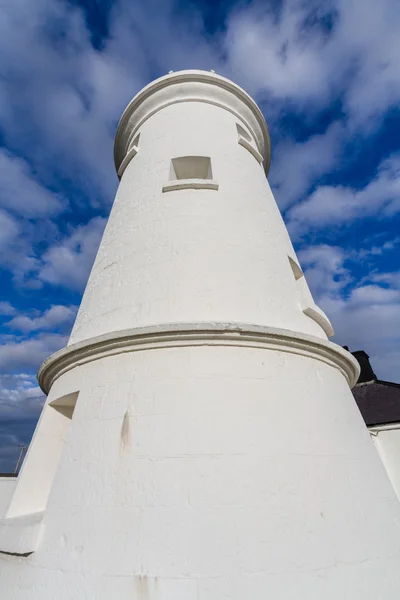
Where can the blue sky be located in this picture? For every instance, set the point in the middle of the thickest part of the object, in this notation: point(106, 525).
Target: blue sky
point(325, 74)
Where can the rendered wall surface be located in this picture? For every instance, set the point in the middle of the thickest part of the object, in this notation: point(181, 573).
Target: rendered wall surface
point(200, 440)
point(192, 255)
point(7, 485)
point(387, 443)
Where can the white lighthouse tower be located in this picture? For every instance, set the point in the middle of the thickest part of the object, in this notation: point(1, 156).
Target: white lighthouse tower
point(199, 440)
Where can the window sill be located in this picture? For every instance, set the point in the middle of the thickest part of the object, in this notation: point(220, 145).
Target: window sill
point(19, 535)
point(190, 184)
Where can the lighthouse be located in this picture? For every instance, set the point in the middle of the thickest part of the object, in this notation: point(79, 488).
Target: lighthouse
point(199, 440)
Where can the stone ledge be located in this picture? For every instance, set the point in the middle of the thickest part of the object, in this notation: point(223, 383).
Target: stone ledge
point(189, 334)
point(190, 184)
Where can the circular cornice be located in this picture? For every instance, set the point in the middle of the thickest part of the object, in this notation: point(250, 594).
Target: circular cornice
point(191, 86)
point(216, 334)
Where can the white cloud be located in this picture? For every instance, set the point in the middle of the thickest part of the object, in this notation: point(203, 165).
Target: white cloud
point(9, 232)
point(17, 246)
point(20, 396)
point(364, 317)
point(368, 320)
point(325, 269)
point(296, 166)
point(55, 316)
point(75, 94)
point(330, 205)
point(302, 56)
point(301, 52)
point(393, 279)
point(7, 309)
point(20, 192)
point(374, 295)
point(68, 264)
point(368, 36)
point(313, 51)
point(28, 354)
point(377, 249)
point(269, 51)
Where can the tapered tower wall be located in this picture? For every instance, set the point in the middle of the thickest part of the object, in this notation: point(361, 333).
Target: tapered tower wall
point(193, 255)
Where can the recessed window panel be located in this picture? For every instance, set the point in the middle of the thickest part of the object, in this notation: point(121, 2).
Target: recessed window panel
point(191, 167)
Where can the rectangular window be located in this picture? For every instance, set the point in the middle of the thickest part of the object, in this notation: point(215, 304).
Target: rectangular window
point(190, 172)
point(191, 167)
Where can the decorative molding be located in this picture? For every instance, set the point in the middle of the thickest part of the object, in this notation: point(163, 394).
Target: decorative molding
point(311, 310)
point(318, 315)
point(187, 334)
point(190, 184)
point(130, 154)
point(251, 149)
point(191, 86)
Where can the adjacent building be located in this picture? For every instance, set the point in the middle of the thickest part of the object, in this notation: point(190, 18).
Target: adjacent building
point(379, 403)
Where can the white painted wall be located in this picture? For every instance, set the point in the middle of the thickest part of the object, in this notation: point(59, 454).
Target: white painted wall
point(203, 467)
point(7, 486)
point(387, 442)
point(192, 255)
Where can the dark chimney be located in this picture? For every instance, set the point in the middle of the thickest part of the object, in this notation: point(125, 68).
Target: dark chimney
point(366, 373)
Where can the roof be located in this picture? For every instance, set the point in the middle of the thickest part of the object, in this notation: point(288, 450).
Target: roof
point(378, 401)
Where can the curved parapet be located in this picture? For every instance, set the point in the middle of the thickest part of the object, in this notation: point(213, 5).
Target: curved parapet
point(191, 86)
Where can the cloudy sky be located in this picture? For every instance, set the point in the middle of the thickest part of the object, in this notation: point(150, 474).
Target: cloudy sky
point(327, 78)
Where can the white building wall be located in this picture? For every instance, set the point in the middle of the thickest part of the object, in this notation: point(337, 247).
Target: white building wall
point(7, 486)
point(386, 439)
point(192, 255)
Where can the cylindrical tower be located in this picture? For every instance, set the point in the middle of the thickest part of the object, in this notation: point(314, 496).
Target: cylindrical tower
point(200, 440)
